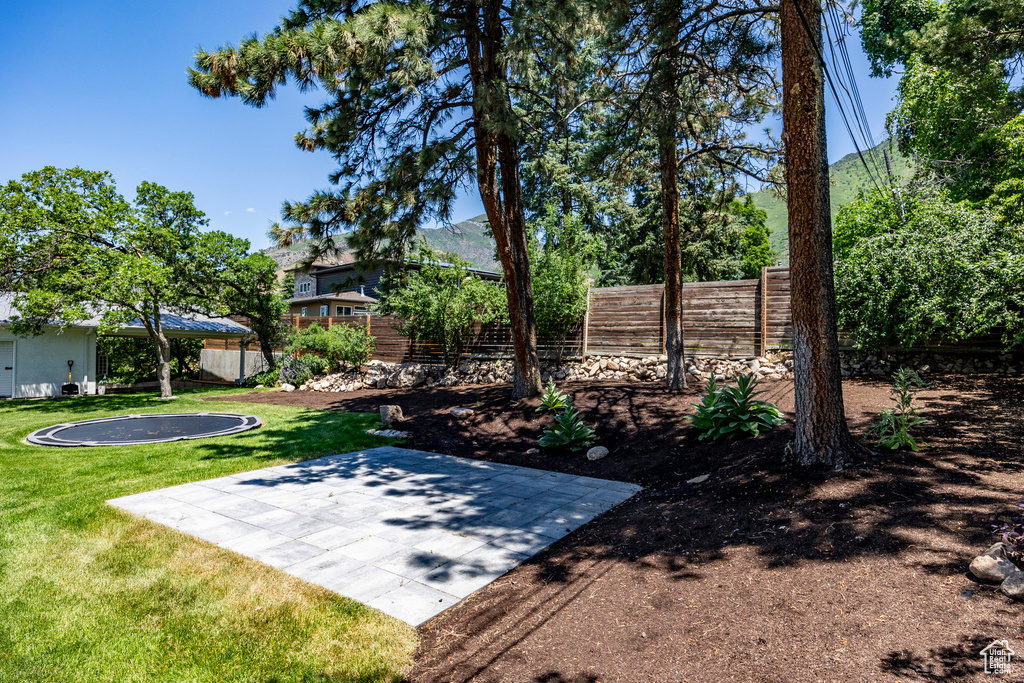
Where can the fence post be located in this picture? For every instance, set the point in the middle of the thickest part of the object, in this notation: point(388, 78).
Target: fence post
point(764, 311)
point(586, 325)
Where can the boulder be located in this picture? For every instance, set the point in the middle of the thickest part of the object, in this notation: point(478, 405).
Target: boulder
point(287, 387)
point(988, 568)
point(390, 414)
point(407, 375)
point(1013, 586)
point(461, 413)
point(612, 365)
point(597, 452)
point(997, 550)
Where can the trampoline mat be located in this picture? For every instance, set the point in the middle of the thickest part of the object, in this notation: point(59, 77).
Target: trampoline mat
point(141, 429)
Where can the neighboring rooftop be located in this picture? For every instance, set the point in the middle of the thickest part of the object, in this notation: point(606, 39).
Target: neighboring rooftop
point(197, 325)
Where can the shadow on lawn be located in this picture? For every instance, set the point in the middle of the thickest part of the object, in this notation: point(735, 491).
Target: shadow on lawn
point(788, 516)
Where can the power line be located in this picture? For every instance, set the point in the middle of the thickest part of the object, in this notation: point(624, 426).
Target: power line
point(835, 95)
point(841, 65)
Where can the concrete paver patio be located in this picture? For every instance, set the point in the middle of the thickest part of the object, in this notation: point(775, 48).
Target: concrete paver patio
point(407, 532)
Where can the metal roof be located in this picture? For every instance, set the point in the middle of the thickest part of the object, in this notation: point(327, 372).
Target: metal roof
point(174, 324)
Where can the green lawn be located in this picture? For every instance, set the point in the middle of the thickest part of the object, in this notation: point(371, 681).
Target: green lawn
point(90, 593)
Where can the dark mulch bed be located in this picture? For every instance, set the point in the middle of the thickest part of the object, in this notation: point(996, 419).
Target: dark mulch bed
point(763, 573)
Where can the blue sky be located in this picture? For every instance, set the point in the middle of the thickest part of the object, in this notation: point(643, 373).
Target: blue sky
point(102, 85)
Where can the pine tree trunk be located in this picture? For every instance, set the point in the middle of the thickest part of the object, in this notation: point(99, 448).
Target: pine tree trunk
point(668, 164)
point(499, 184)
point(822, 436)
point(526, 371)
point(675, 348)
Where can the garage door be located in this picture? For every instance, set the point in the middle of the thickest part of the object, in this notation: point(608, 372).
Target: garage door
point(6, 369)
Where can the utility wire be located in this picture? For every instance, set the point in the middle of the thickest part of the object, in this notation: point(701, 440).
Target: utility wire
point(835, 94)
point(842, 70)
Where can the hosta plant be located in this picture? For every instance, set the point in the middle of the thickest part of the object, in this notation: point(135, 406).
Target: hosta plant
point(568, 431)
point(727, 412)
point(892, 430)
point(553, 399)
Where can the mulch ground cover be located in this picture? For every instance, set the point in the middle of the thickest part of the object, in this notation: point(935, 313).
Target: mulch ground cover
point(764, 572)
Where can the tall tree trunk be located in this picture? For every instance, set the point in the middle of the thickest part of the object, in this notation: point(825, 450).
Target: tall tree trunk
point(668, 164)
point(675, 348)
point(822, 436)
point(526, 374)
point(499, 184)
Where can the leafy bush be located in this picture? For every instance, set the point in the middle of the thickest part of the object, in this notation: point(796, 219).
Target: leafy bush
point(298, 369)
point(267, 378)
point(337, 345)
point(439, 304)
point(944, 270)
point(559, 267)
point(728, 412)
point(1011, 532)
point(568, 431)
point(892, 430)
point(553, 399)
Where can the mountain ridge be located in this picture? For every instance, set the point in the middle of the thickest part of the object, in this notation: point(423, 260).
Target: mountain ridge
point(468, 239)
point(847, 178)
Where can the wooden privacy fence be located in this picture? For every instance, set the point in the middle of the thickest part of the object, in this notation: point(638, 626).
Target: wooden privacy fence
point(732, 318)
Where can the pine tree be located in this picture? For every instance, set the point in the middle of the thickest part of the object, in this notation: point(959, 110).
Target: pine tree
point(697, 75)
point(421, 101)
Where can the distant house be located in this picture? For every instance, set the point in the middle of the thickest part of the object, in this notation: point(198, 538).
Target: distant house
point(37, 366)
point(346, 288)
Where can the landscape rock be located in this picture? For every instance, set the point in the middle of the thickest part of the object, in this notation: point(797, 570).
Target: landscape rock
point(532, 451)
point(597, 452)
point(988, 568)
point(258, 386)
point(1013, 586)
point(390, 433)
point(390, 414)
point(407, 375)
point(287, 387)
point(461, 413)
point(997, 550)
point(698, 480)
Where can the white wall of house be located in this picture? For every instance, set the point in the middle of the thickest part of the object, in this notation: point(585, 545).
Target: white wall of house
point(41, 362)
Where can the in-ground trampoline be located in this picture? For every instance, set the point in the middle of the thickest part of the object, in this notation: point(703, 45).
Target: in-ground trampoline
point(140, 429)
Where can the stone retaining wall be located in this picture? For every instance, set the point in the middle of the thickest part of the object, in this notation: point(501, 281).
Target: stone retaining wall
point(773, 366)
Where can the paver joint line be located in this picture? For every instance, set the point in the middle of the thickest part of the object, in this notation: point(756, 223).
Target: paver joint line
point(407, 532)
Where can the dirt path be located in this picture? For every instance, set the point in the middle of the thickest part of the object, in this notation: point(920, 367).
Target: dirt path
point(763, 573)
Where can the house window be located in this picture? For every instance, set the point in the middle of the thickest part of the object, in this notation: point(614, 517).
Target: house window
point(325, 311)
point(102, 365)
point(343, 310)
point(304, 287)
point(303, 314)
point(360, 308)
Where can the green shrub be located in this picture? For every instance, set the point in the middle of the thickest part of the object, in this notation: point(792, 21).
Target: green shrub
point(728, 412)
point(568, 431)
point(267, 378)
point(553, 399)
point(337, 345)
point(892, 430)
point(298, 369)
point(439, 304)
